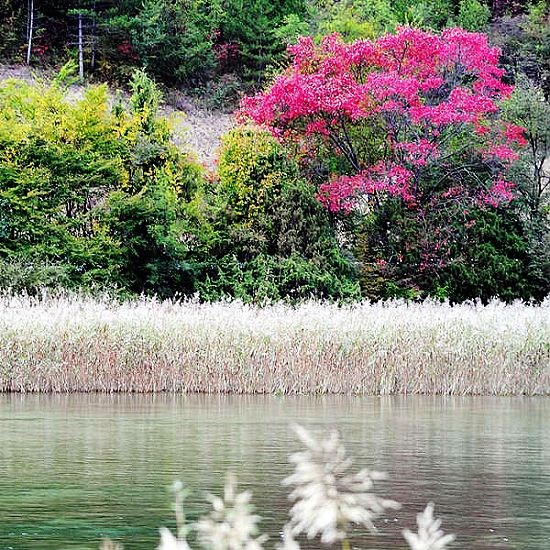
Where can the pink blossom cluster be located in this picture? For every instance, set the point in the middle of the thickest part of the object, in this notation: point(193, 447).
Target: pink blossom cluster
point(501, 192)
point(418, 153)
point(340, 192)
point(503, 146)
point(396, 71)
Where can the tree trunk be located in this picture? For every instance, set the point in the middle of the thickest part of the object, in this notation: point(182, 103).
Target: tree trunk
point(80, 49)
point(30, 30)
point(92, 61)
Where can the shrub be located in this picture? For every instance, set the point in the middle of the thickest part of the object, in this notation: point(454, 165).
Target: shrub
point(432, 14)
point(473, 15)
point(57, 161)
point(95, 192)
point(348, 20)
point(31, 276)
point(371, 18)
point(449, 253)
point(251, 167)
point(268, 237)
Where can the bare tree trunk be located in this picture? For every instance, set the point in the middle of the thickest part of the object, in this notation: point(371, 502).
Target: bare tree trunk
point(30, 30)
point(28, 19)
point(80, 49)
point(92, 61)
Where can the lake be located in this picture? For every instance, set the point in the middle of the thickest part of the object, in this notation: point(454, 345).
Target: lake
point(75, 468)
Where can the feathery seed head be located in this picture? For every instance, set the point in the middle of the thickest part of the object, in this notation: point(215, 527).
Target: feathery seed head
point(230, 525)
point(169, 542)
point(429, 536)
point(327, 497)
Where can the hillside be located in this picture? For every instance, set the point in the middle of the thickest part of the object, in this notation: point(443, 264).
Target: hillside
point(198, 131)
point(391, 149)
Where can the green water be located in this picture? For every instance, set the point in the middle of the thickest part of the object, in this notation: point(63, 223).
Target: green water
point(76, 468)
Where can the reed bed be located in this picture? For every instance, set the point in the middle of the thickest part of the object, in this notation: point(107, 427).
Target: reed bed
point(74, 343)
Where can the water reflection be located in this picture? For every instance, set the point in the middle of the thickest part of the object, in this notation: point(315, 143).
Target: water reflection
point(76, 468)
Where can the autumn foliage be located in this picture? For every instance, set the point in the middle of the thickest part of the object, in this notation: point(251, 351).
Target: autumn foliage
point(416, 92)
point(406, 133)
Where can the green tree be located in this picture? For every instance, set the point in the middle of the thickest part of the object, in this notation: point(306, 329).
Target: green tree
point(473, 15)
point(265, 234)
point(252, 25)
point(528, 108)
point(91, 193)
point(174, 40)
point(11, 28)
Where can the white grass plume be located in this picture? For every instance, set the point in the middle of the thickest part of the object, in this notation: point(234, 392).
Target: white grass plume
point(429, 536)
point(169, 542)
point(327, 497)
point(73, 343)
point(230, 525)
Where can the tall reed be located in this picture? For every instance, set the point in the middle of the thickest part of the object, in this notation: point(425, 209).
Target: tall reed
point(74, 343)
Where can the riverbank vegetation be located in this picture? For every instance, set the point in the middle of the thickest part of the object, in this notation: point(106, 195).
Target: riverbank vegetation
point(64, 344)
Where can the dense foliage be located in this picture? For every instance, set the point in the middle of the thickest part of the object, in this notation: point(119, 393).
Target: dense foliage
point(89, 191)
point(192, 41)
point(183, 42)
point(270, 237)
point(405, 155)
point(406, 132)
point(93, 196)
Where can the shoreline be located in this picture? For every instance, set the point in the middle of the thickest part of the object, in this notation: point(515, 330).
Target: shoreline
point(83, 345)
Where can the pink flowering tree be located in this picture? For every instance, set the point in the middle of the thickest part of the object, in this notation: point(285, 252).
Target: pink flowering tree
point(412, 116)
point(418, 90)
